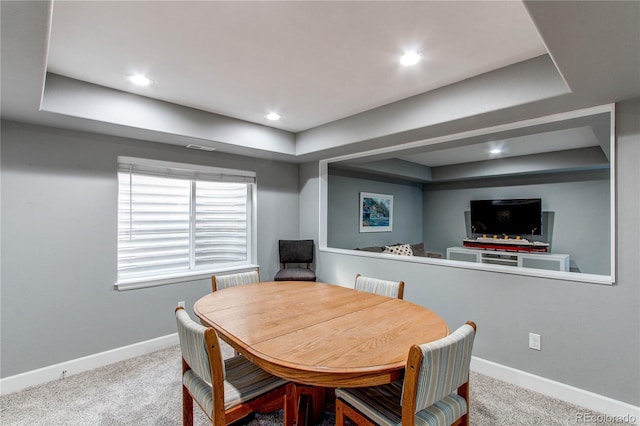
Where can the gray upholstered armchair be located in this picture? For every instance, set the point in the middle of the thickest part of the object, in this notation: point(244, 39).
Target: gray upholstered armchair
point(295, 252)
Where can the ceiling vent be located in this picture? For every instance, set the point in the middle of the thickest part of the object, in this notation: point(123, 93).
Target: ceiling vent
point(201, 147)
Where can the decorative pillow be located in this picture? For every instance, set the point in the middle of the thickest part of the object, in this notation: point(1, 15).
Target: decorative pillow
point(402, 249)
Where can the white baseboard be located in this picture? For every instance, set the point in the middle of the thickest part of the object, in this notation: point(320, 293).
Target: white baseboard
point(573, 395)
point(53, 372)
point(592, 402)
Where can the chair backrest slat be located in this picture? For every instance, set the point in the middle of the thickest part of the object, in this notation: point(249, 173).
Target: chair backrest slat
point(193, 345)
point(393, 289)
point(444, 367)
point(220, 282)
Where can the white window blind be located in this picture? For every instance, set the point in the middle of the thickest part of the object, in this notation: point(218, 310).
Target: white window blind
point(177, 220)
point(221, 223)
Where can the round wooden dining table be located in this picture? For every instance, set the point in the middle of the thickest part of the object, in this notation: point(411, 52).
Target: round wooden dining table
point(320, 334)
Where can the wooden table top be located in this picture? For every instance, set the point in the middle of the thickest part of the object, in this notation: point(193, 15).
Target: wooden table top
point(320, 334)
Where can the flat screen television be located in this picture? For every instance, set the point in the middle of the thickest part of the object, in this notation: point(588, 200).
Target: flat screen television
point(522, 216)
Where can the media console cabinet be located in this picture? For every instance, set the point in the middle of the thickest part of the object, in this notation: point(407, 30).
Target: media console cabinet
point(549, 261)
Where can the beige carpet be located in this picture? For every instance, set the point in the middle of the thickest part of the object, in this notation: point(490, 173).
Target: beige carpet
point(146, 391)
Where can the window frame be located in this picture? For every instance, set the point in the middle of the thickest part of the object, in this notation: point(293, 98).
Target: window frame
point(191, 172)
point(603, 279)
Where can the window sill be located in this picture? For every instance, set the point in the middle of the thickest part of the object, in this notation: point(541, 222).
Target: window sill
point(139, 283)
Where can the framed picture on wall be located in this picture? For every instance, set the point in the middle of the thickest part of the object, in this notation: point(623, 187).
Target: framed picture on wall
point(376, 212)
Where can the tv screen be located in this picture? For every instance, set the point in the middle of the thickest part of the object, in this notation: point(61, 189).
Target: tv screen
point(510, 217)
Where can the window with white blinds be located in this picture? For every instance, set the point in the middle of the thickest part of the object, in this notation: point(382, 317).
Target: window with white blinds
point(177, 220)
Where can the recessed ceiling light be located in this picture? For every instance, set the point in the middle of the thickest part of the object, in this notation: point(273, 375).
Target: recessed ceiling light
point(496, 151)
point(140, 80)
point(273, 116)
point(410, 58)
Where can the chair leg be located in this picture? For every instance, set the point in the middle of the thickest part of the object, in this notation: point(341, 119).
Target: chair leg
point(187, 407)
point(463, 391)
point(289, 406)
point(187, 399)
point(339, 413)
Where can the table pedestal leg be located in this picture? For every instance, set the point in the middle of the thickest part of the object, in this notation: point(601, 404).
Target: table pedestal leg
point(311, 404)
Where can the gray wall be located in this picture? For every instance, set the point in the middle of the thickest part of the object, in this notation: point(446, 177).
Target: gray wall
point(344, 201)
point(58, 267)
point(590, 333)
point(580, 212)
point(58, 302)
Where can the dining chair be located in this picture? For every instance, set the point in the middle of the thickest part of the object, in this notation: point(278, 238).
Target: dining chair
point(434, 391)
point(226, 390)
point(220, 282)
point(295, 252)
point(382, 287)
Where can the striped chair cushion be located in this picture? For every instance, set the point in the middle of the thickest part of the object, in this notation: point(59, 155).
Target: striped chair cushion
point(445, 366)
point(233, 280)
point(192, 344)
point(381, 404)
point(244, 382)
point(376, 286)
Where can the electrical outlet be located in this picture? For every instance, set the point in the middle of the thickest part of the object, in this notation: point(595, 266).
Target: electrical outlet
point(534, 341)
point(181, 304)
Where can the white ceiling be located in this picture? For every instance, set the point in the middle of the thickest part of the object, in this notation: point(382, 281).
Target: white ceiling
point(313, 62)
point(557, 140)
